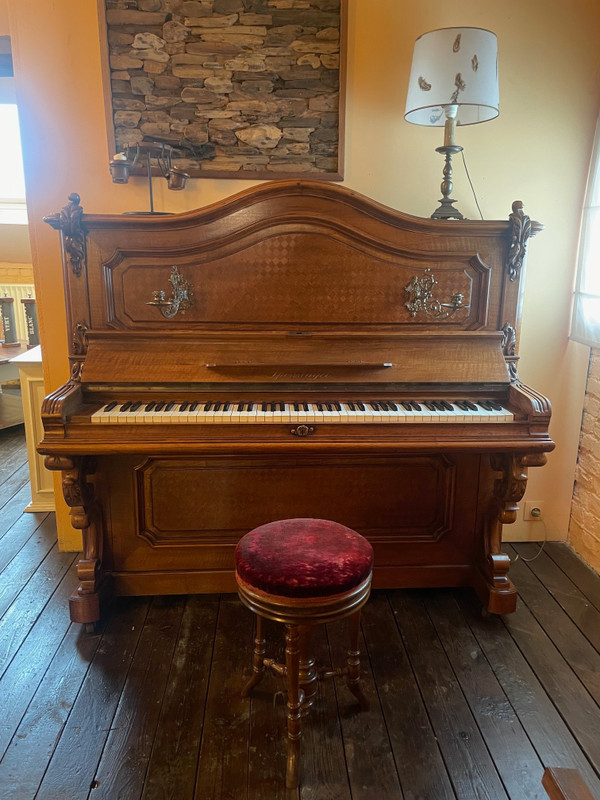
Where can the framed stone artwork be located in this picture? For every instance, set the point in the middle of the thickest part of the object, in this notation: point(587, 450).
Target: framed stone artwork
point(238, 88)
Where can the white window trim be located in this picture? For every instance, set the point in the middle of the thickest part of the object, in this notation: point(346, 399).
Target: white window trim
point(582, 329)
point(13, 212)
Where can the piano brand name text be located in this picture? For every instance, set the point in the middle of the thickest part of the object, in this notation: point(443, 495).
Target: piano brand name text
point(300, 376)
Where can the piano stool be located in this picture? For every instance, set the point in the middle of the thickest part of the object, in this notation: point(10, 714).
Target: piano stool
point(303, 572)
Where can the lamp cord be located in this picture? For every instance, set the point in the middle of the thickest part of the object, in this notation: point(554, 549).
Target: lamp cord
point(462, 152)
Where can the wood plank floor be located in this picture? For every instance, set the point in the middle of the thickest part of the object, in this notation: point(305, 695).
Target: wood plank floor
point(149, 706)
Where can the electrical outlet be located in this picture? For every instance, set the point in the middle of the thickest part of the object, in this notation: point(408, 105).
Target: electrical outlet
point(533, 510)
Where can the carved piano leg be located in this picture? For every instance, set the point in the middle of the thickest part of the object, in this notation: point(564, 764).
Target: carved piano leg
point(86, 516)
point(492, 583)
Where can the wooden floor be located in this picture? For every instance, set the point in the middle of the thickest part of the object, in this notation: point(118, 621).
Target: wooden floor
point(149, 706)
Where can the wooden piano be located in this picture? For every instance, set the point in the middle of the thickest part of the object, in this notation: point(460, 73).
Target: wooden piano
point(295, 351)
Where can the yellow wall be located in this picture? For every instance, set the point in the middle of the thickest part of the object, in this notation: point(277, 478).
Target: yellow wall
point(536, 151)
point(15, 273)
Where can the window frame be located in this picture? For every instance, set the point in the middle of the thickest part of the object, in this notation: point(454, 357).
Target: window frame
point(583, 332)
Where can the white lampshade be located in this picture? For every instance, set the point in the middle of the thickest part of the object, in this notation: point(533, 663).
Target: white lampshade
point(453, 67)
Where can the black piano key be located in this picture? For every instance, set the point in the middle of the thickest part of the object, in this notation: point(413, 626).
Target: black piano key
point(392, 405)
point(170, 405)
point(150, 406)
point(264, 407)
point(320, 407)
point(251, 406)
point(383, 405)
point(471, 406)
point(407, 406)
point(439, 406)
point(485, 405)
point(135, 406)
point(125, 406)
point(329, 406)
point(461, 404)
point(337, 406)
point(226, 406)
point(194, 406)
point(496, 406)
point(208, 405)
point(428, 404)
point(415, 405)
point(374, 405)
point(183, 407)
point(305, 406)
point(110, 406)
point(159, 406)
point(351, 406)
point(361, 406)
point(448, 406)
point(217, 406)
point(296, 406)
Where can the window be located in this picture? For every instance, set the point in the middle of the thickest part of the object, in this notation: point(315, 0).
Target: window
point(12, 180)
point(585, 325)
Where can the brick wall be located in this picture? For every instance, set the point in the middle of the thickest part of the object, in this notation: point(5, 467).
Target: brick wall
point(584, 530)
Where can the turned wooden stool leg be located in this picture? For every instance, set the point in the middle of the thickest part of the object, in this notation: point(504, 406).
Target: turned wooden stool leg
point(258, 659)
point(307, 670)
point(294, 702)
point(353, 679)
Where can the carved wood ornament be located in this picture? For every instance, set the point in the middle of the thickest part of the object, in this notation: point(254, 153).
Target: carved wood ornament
point(508, 490)
point(520, 233)
point(509, 345)
point(54, 402)
point(86, 516)
point(69, 222)
point(79, 338)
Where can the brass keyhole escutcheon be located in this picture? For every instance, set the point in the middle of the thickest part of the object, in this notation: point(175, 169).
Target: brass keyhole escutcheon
point(303, 430)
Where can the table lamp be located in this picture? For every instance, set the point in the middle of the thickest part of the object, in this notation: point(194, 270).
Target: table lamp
point(453, 81)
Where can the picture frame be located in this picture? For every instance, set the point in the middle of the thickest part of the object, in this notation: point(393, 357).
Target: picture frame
point(237, 88)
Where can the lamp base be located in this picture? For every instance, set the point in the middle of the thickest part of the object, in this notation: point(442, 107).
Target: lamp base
point(446, 208)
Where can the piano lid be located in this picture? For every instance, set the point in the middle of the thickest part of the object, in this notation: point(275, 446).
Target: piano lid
point(458, 357)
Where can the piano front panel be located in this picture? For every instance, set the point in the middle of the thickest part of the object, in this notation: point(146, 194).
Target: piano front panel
point(175, 516)
point(293, 279)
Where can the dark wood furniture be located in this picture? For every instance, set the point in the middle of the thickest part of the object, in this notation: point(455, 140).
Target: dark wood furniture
point(565, 784)
point(291, 291)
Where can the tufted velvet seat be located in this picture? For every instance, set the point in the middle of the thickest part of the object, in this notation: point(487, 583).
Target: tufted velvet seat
point(303, 572)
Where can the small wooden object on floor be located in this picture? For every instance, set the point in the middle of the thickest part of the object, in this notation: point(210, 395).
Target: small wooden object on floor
point(303, 572)
point(565, 784)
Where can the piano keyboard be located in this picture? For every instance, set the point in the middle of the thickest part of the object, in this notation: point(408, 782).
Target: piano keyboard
point(237, 412)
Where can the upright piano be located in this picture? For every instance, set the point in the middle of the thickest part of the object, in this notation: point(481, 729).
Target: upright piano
point(297, 350)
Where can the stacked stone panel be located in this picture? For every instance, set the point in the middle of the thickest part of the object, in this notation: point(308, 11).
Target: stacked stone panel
point(237, 86)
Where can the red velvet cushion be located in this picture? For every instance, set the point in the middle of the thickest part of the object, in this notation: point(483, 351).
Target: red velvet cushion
point(303, 558)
